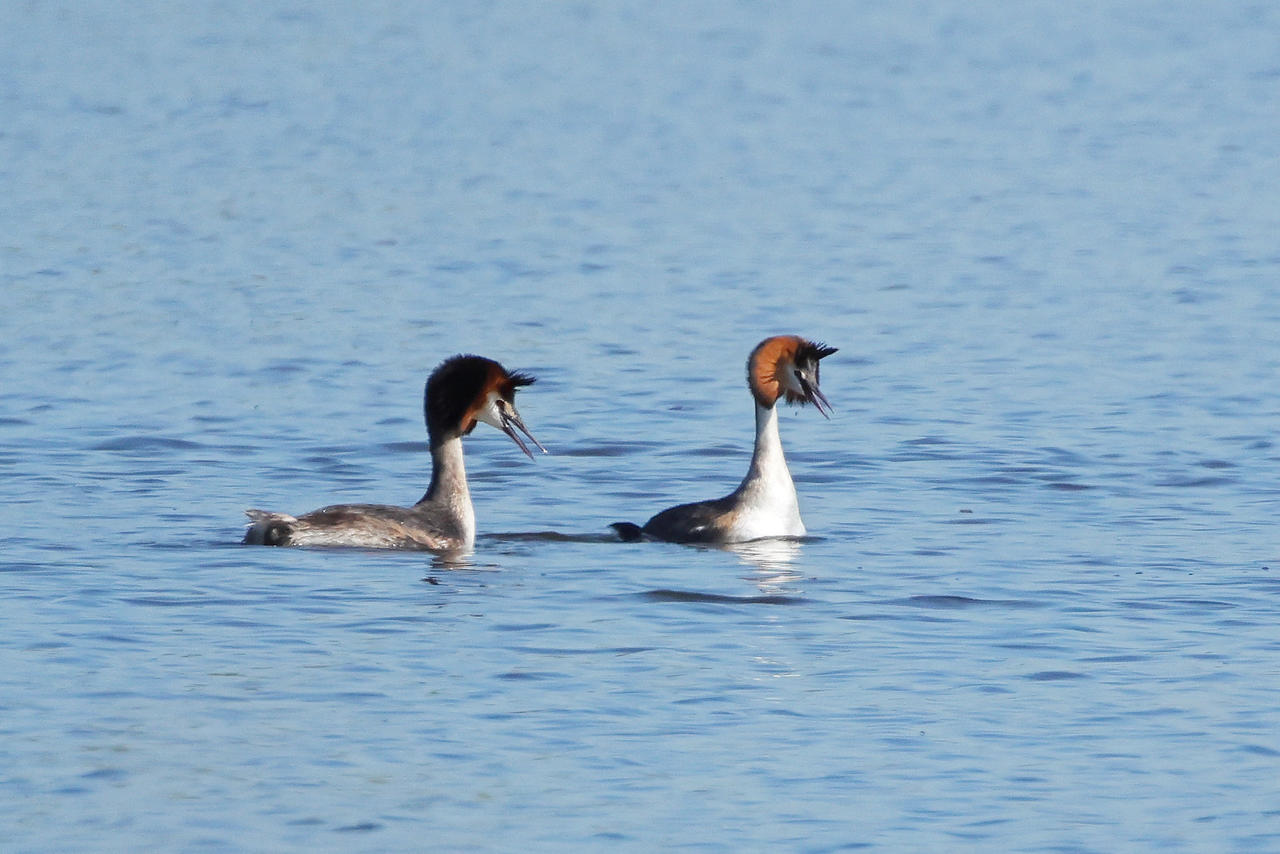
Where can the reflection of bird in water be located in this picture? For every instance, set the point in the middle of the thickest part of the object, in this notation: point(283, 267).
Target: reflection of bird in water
point(772, 561)
point(775, 554)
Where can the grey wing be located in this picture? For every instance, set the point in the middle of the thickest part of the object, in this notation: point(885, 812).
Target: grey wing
point(699, 522)
point(378, 526)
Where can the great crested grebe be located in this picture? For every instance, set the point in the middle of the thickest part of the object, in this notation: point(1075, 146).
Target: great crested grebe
point(462, 391)
point(764, 504)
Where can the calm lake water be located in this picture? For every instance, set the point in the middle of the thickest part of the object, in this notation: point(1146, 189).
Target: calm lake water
point(1038, 607)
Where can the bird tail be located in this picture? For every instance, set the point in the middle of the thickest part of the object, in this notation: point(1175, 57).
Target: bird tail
point(628, 532)
point(268, 529)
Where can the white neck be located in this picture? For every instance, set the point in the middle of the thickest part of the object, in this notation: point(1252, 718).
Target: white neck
point(767, 497)
point(449, 486)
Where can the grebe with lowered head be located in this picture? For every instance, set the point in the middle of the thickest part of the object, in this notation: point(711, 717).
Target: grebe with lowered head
point(764, 504)
point(462, 391)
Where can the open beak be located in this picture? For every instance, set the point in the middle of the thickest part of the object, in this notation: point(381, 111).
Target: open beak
point(511, 421)
point(814, 395)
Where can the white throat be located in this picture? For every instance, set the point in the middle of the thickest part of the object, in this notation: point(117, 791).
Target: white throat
point(766, 500)
point(449, 486)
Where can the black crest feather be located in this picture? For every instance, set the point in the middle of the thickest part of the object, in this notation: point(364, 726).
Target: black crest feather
point(521, 378)
point(815, 350)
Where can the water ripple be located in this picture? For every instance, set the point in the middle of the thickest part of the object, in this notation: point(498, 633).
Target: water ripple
point(145, 443)
point(667, 595)
point(947, 602)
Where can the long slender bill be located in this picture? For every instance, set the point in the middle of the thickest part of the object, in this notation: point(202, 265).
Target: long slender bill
point(815, 396)
point(510, 418)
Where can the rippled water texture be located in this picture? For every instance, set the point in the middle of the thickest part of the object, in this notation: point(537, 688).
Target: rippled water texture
point(1037, 608)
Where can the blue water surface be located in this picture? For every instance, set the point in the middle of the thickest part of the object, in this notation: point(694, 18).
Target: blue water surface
point(1037, 608)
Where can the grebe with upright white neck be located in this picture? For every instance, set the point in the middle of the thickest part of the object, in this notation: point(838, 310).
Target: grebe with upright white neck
point(461, 392)
point(765, 503)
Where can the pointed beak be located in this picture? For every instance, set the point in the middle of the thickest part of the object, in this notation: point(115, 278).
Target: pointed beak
point(511, 421)
point(814, 395)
